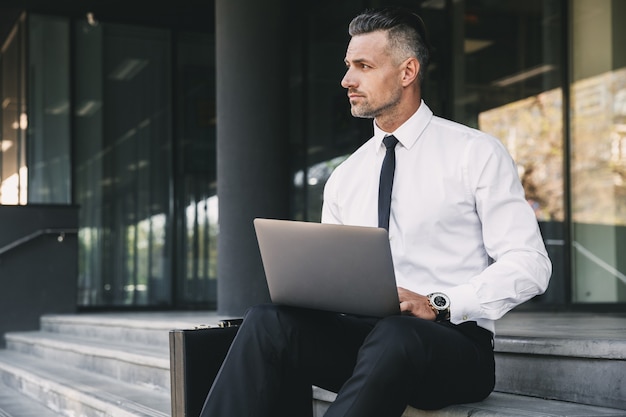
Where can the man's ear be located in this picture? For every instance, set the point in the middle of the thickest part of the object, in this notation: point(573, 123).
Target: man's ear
point(410, 71)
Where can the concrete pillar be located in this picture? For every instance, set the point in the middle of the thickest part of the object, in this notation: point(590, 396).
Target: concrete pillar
point(252, 129)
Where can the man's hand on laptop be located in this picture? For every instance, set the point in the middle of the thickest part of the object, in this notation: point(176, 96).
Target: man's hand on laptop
point(415, 304)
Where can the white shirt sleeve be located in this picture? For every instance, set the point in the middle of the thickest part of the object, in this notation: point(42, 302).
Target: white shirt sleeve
point(521, 268)
point(330, 209)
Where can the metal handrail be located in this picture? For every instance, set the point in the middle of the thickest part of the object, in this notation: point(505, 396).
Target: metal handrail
point(18, 242)
point(598, 261)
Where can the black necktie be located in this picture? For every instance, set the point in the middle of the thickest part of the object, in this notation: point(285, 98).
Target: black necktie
point(386, 181)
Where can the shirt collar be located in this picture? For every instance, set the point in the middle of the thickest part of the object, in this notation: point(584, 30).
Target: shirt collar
point(409, 132)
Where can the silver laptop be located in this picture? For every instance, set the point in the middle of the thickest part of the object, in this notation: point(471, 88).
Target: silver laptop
point(345, 269)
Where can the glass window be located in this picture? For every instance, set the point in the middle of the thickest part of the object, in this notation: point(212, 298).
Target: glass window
point(49, 110)
point(123, 164)
point(598, 151)
point(196, 170)
point(13, 118)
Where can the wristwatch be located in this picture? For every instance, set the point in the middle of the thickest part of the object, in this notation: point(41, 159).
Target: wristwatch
point(440, 303)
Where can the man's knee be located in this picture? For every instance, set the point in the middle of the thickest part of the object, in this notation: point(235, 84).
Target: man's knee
point(263, 319)
point(260, 312)
point(275, 321)
point(403, 340)
point(403, 330)
point(268, 314)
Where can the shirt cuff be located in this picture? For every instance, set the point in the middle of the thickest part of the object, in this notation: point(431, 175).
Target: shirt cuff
point(464, 304)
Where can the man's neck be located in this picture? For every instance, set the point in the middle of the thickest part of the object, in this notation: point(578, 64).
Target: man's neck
point(392, 121)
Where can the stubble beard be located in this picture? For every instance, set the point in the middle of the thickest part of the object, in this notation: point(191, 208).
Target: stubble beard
point(366, 111)
point(363, 110)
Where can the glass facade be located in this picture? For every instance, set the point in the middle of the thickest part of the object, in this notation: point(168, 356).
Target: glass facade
point(49, 137)
point(123, 141)
point(145, 171)
point(598, 151)
point(121, 120)
point(196, 170)
point(13, 117)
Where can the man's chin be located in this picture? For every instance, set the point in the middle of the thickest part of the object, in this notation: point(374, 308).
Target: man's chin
point(360, 113)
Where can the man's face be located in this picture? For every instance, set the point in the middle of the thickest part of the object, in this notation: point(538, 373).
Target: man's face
point(372, 78)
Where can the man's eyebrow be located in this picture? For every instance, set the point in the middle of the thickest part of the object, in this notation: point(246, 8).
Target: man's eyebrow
point(356, 60)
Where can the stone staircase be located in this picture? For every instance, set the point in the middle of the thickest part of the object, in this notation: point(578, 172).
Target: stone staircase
point(117, 365)
point(91, 365)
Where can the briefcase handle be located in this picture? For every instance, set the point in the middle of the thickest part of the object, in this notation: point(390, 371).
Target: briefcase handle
point(229, 323)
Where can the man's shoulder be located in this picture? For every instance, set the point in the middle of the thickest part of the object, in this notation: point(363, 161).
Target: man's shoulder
point(351, 163)
point(448, 124)
point(452, 129)
point(360, 152)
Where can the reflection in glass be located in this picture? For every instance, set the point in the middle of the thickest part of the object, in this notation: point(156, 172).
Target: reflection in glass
point(532, 131)
point(598, 160)
point(599, 151)
point(599, 186)
point(196, 175)
point(49, 144)
point(122, 145)
point(13, 118)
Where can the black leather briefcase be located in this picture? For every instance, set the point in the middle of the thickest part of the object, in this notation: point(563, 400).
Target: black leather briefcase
point(195, 358)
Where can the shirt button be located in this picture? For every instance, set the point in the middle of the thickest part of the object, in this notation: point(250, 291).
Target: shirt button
point(464, 318)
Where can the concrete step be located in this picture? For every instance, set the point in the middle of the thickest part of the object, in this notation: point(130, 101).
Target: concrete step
point(94, 365)
point(136, 328)
point(14, 404)
point(75, 392)
point(576, 357)
point(138, 364)
point(496, 405)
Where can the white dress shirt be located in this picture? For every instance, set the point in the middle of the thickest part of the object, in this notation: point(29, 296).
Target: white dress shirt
point(460, 223)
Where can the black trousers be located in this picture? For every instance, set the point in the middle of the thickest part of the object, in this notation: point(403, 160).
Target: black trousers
point(377, 366)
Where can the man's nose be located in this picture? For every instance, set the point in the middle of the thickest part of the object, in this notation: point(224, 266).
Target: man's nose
point(348, 80)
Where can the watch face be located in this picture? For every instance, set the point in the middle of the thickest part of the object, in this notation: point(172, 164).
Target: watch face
point(440, 301)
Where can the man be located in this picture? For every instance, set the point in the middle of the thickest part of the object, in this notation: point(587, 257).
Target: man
point(465, 243)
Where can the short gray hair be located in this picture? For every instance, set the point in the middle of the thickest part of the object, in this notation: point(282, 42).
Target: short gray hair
point(405, 30)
